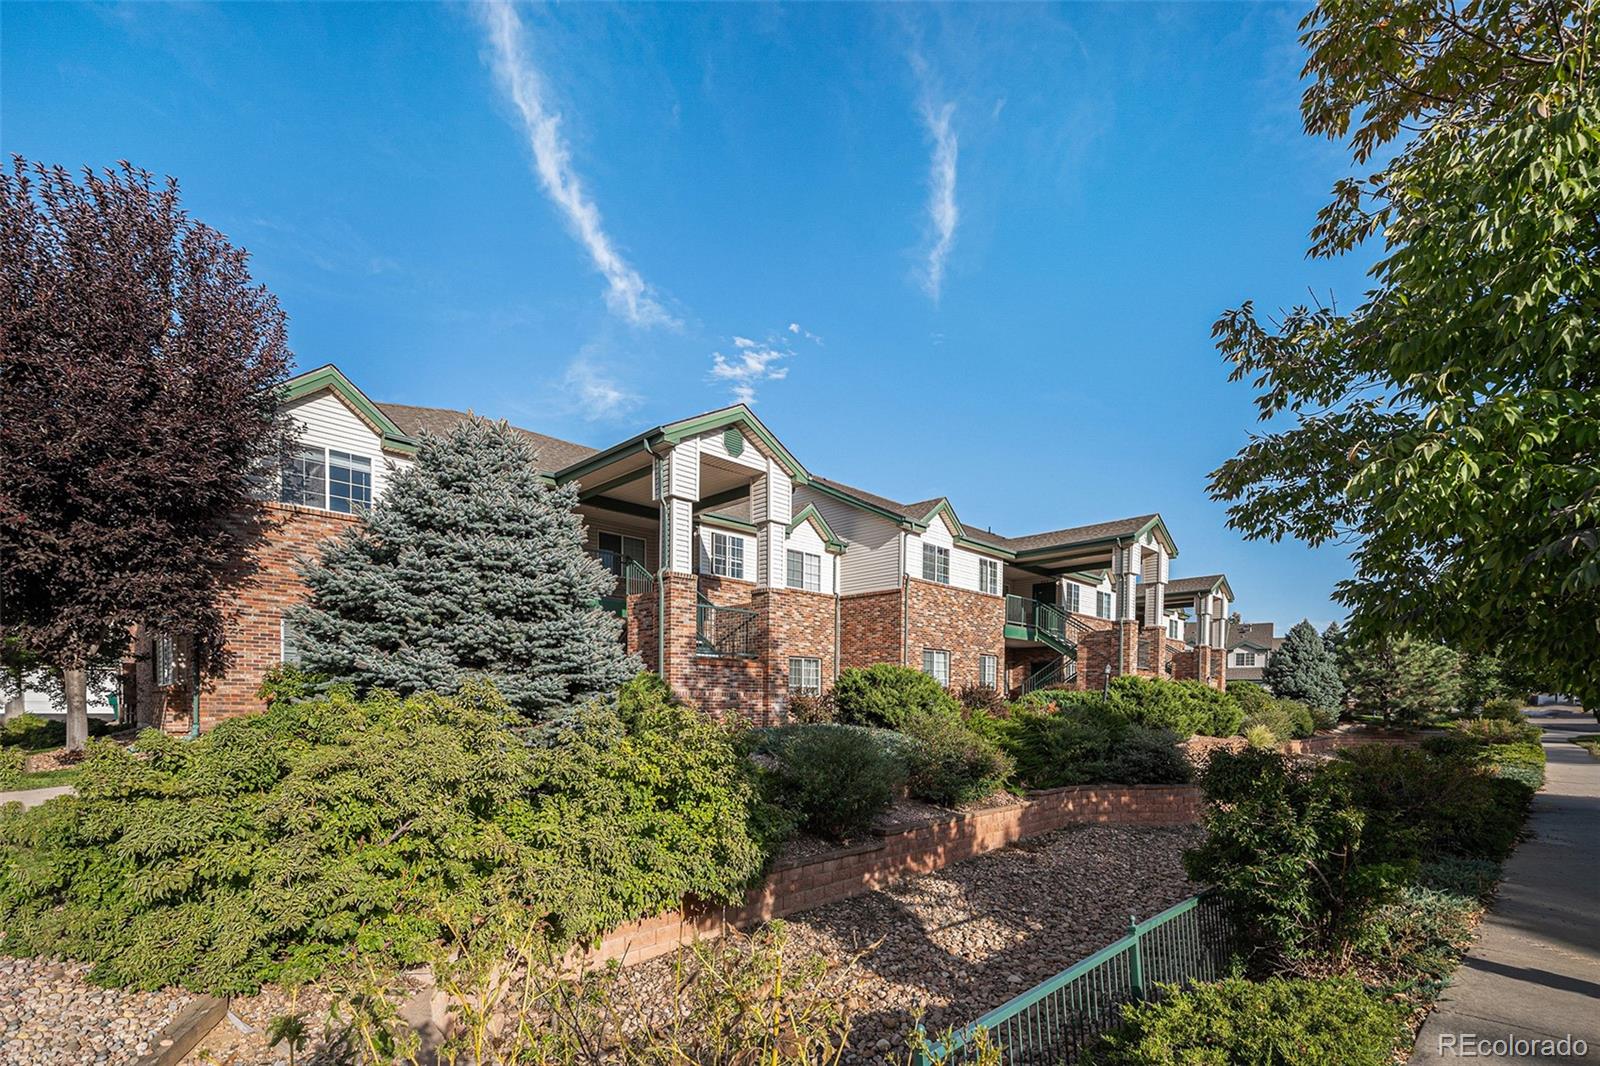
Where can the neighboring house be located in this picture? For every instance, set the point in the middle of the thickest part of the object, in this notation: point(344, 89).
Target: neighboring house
point(1249, 647)
point(743, 578)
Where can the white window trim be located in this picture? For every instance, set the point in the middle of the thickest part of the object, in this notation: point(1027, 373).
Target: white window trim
point(989, 576)
point(807, 560)
point(163, 660)
point(989, 664)
point(930, 663)
point(804, 662)
point(283, 644)
point(327, 477)
point(935, 554)
point(1244, 658)
point(727, 542)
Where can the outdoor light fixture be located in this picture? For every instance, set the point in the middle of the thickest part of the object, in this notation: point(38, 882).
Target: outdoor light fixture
point(1105, 690)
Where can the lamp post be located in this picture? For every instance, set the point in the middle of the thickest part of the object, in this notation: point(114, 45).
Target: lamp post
point(1105, 689)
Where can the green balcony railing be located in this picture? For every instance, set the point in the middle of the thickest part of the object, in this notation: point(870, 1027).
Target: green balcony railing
point(1060, 674)
point(1052, 1023)
point(1037, 620)
point(725, 631)
point(632, 578)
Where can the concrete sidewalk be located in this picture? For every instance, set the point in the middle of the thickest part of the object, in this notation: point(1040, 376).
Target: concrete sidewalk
point(1534, 973)
point(32, 797)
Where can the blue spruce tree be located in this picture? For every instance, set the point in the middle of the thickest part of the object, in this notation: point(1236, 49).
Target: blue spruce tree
point(468, 566)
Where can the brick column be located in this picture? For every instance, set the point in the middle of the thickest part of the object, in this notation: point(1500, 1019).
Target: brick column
point(679, 594)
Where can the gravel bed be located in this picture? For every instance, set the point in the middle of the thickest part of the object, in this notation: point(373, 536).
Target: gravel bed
point(241, 1038)
point(50, 1015)
point(964, 939)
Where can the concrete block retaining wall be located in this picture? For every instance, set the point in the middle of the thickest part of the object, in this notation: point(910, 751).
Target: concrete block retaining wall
point(901, 853)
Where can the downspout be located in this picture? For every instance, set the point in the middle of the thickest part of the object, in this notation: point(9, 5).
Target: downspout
point(837, 622)
point(663, 540)
point(905, 605)
point(1116, 591)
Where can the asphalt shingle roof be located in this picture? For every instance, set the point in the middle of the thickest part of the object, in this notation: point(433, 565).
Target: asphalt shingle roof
point(553, 453)
point(1192, 584)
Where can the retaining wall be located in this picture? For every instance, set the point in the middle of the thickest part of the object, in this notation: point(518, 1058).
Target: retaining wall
point(900, 853)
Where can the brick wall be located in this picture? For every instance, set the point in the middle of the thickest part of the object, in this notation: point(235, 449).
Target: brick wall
point(964, 623)
point(797, 624)
point(268, 586)
point(913, 850)
point(1019, 664)
point(870, 628)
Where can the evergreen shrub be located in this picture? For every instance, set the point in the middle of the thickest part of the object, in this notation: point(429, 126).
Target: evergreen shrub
point(833, 779)
point(950, 763)
point(1277, 1022)
point(885, 696)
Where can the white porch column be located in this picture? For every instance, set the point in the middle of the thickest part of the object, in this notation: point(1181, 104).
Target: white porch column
point(1219, 631)
point(676, 484)
point(1126, 582)
point(1202, 622)
point(1155, 587)
point(771, 500)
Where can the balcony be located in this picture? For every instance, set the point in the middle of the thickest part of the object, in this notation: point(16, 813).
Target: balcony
point(632, 579)
point(1038, 622)
point(724, 632)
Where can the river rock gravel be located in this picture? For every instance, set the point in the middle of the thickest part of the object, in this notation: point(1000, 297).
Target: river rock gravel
point(50, 1015)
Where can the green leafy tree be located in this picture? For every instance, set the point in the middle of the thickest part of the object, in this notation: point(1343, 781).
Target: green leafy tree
point(1303, 669)
point(1404, 680)
point(1482, 680)
point(1449, 423)
point(468, 566)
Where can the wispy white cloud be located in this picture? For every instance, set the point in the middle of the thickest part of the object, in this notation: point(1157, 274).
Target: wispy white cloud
point(800, 331)
point(943, 213)
point(595, 395)
point(627, 293)
point(751, 363)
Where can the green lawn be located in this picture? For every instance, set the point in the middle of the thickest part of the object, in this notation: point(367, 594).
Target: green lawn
point(46, 778)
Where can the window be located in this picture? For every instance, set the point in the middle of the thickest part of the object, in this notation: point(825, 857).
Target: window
point(615, 548)
point(805, 677)
point(936, 664)
point(288, 643)
point(936, 564)
point(1244, 658)
point(305, 478)
point(162, 653)
point(805, 571)
point(327, 479)
point(349, 483)
point(1074, 598)
point(988, 670)
point(989, 576)
point(1102, 605)
point(1172, 629)
point(727, 555)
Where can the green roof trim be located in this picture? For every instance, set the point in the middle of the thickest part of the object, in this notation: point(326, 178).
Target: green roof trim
point(738, 416)
point(943, 507)
point(809, 513)
point(332, 378)
point(709, 518)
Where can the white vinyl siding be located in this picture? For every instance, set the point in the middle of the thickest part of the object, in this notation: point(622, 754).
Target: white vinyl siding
point(706, 543)
point(936, 664)
point(871, 561)
point(806, 540)
point(323, 421)
point(963, 563)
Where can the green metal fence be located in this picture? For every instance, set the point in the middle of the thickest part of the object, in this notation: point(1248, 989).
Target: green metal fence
point(1053, 1022)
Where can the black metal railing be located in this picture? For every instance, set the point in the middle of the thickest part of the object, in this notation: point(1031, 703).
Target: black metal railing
point(725, 631)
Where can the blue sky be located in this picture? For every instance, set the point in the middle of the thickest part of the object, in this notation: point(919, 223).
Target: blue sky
point(972, 251)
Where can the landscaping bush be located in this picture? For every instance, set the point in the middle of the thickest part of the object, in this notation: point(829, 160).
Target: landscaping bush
point(981, 698)
point(1503, 708)
point(1414, 940)
point(813, 710)
point(1087, 746)
point(1301, 723)
point(1419, 805)
point(1185, 707)
point(1282, 845)
point(277, 841)
point(1475, 878)
point(1250, 697)
point(1273, 718)
point(1065, 699)
point(12, 763)
point(885, 696)
point(1279, 1022)
point(834, 779)
point(1519, 764)
point(949, 763)
point(29, 732)
point(1260, 736)
point(1498, 730)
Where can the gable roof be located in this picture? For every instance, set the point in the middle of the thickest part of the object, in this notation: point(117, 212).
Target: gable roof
point(329, 377)
point(682, 429)
point(553, 453)
point(1208, 583)
point(915, 513)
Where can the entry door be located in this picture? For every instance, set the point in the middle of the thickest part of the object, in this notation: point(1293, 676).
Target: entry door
point(1044, 592)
